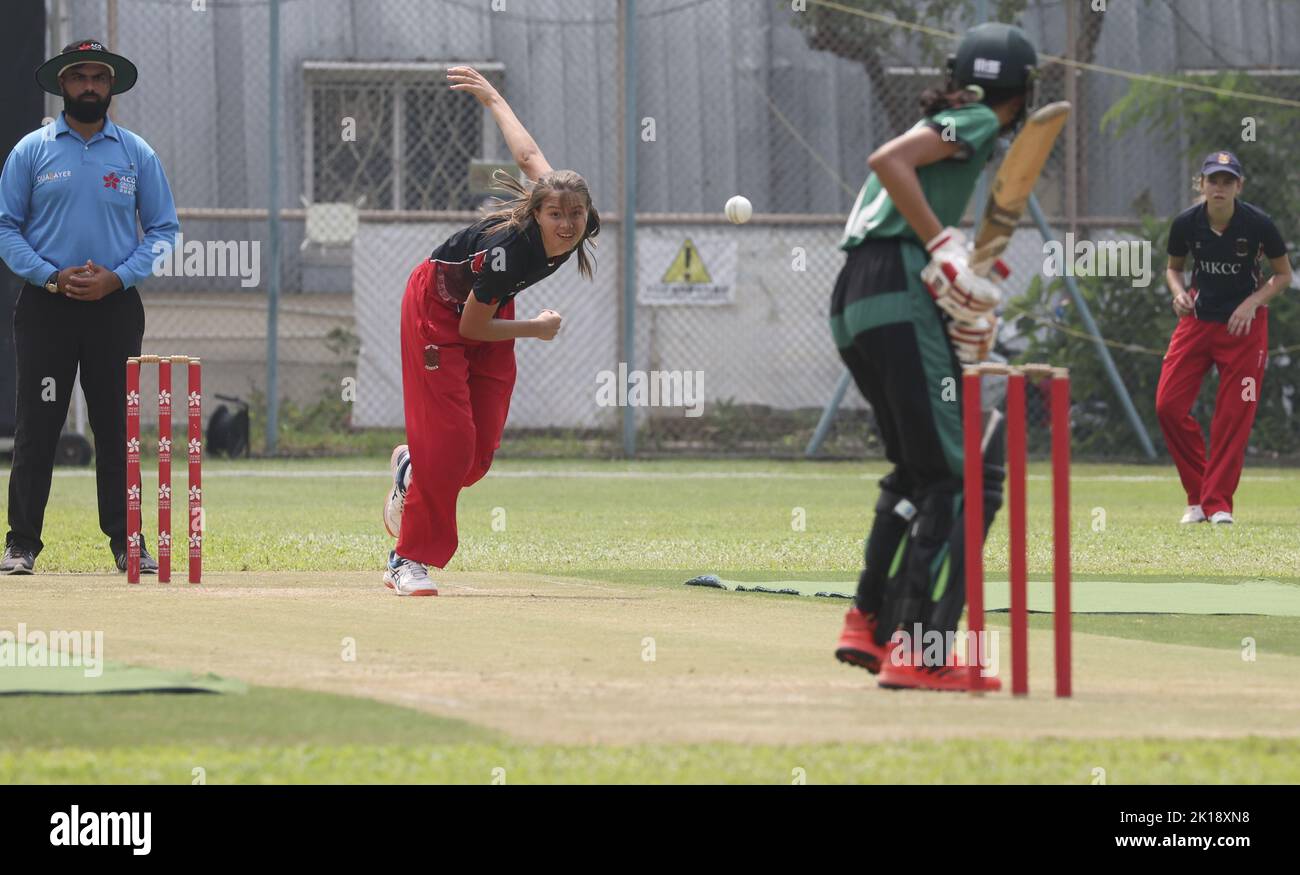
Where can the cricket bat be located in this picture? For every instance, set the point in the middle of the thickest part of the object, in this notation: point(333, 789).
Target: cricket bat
point(1015, 181)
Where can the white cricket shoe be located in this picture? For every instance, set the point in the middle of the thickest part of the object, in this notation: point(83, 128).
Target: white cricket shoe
point(400, 466)
point(1221, 518)
point(1194, 514)
point(408, 577)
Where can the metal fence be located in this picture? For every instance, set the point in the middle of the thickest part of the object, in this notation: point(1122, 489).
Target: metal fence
point(780, 102)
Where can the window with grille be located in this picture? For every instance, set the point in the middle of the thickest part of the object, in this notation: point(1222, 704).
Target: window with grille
point(414, 137)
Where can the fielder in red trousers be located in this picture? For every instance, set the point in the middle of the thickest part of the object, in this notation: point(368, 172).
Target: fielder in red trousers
point(458, 334)
point(1223, 324)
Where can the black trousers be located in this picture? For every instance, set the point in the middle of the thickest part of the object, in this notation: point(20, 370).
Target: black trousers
point(54, 336)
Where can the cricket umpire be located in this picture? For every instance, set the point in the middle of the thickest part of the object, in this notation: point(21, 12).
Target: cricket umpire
point(70, 196)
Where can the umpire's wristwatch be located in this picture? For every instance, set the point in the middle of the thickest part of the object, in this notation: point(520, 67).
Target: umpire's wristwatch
point(52, 284)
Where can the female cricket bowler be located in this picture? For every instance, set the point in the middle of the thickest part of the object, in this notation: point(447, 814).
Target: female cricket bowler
point(906, 311)
point(458, 334)
point(1223, 321)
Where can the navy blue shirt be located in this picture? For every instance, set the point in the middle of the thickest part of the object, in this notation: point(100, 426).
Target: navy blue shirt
point(64, 200)
point(1225, 267)
point(495, 266)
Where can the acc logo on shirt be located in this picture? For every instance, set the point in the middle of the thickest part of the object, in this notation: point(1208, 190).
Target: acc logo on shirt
point(122, 184)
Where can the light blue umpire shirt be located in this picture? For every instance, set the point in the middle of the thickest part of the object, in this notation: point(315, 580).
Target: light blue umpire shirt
point(64, 200)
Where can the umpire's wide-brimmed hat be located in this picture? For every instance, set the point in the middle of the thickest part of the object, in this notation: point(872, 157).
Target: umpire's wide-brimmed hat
point(86, 51)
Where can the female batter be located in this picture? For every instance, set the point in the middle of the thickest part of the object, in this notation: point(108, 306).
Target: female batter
point(1223, 323)
point(906, 310)
point(458, 333)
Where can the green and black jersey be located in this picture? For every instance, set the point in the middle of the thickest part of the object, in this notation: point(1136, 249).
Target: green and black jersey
point(887, 328)
point(947, 184)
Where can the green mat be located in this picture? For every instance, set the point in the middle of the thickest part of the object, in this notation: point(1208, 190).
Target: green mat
point(115, 678)
point(1088, 597)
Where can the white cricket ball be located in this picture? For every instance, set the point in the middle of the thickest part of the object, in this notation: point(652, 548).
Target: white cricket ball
point(739, 209)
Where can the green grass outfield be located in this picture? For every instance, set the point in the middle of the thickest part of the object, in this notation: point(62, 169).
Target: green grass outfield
point(636, 530)
point(287, 736)
point(562, 516)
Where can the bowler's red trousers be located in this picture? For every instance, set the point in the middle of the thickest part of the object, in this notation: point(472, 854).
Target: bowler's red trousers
point(1193, 349)
point(456, 395)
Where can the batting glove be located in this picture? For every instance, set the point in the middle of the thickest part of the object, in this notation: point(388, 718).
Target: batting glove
point(973, 341)
point(996, 268)
point(957, 289)
point(950, 245)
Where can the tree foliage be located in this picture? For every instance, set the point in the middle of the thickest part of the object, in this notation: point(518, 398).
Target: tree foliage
point(877, 45)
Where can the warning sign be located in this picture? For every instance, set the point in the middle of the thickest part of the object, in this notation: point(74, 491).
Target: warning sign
point(684, 271)
point(688, 267)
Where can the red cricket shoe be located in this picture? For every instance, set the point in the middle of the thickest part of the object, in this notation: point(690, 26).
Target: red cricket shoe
point(858, 642)
point(949, 678)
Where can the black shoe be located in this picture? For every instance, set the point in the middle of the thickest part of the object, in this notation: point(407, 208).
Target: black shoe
point(148, 565)
point(17, 561)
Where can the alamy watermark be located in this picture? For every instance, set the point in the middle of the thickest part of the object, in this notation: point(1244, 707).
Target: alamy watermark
point(651, 389)
point(210, 258)
point(54, 649)
point(77, 828)
point(931, 647)
point(1130, 259)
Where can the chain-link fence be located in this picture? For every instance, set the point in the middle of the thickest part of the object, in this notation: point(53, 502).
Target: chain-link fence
point(379, 161)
